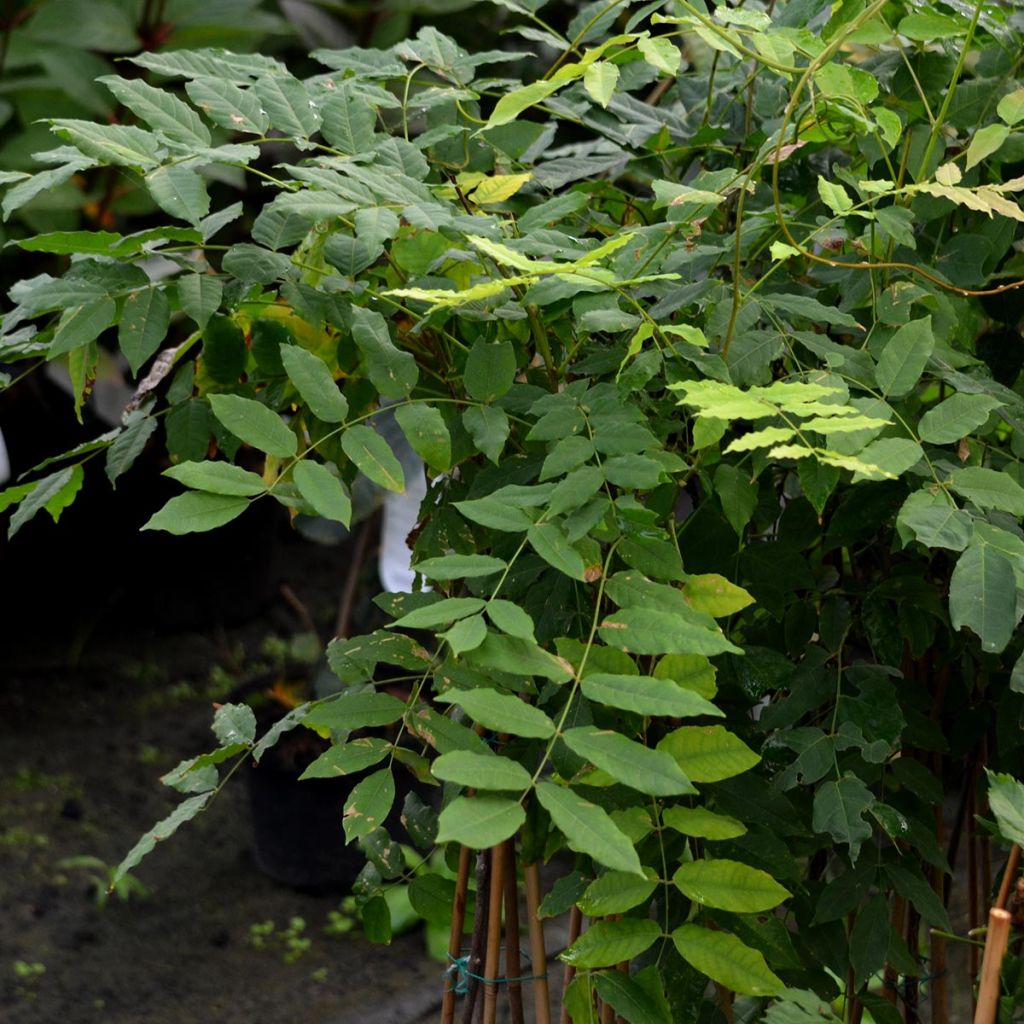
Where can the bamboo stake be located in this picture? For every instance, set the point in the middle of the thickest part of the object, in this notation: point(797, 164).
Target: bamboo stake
point(938, 987)
point(973, 919)
point(455, 935)
point(513, 964)
point(910, 997)
point(1009, 874)
point(984, 843)
point(538, 956)
point(890, 990)
point(493, 965)
point(476, 946)
point(575, 927)
point(995, 949)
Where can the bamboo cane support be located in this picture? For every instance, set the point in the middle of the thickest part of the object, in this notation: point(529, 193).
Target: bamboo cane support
point(492, 968)
point(938, 989)
point(513, 963)
point(995, 949)
point(1009, 876)
point(912, 988)
point(890, 976)
point(973, 919)
point(538, 955)
point(455, 935)
point(476, 947)
point(575, 927)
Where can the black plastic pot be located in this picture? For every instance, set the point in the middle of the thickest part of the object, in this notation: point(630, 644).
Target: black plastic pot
point(298, 838)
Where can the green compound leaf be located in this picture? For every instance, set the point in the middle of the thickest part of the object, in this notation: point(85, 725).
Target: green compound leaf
point(550, 542)
point(725, 959)
point(373, 457)
point(629, 762)
point(160, 109)
point(989, 488)
point(234, 724)
point(502, 712)
point(1006, 798)
point(588, 829)
point(646, 695)
point(655, 631)
point(217, 478)
point(610, 942)
point(637, 1000)
point(369, 804)
point(904, 358)
point(869, 939)
point(700, 822)
point(164, 829)
point(839, 808)
point(324, 491)
point(935, 521)
point(440, 613)
point(467, 634)
point(956, 417)
point(353, 711)
point(391, 370)
point(144, 321)
point(729, 885)
point(346, 758)
point(481, 771)
point(228, 106)
point(252, 422)
point(179, 191)
point(709, 753)
point(495, 514)
point(480, 821)
point(600, 80)
point(489, 428)
point(459, 567)
point(614, 893)
point(510, 619)
point(983, 595)
point(196, 512)
point(490, 370)
point(425, 430)
point(200, 295)
point(315, 383)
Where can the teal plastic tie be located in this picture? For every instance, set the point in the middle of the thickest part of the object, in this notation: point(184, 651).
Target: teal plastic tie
point(459, 970)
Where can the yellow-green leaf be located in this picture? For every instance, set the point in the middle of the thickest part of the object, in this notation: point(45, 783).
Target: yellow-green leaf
point(723, 958)
point(709, 753)
point(729, 885)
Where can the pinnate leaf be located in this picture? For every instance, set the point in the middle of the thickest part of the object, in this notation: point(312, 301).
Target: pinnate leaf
point(252, 422)
point(588, 828)
point(727, 960)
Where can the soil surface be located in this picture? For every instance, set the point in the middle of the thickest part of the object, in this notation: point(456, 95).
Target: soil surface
point(91, 714)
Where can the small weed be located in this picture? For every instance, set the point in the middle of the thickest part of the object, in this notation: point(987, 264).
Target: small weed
point(342, 921)
point(28, 976)
point(101, 876)
point(290, 941)
point(18, 836)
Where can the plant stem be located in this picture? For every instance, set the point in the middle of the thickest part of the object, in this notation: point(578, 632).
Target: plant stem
point(947, 101)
